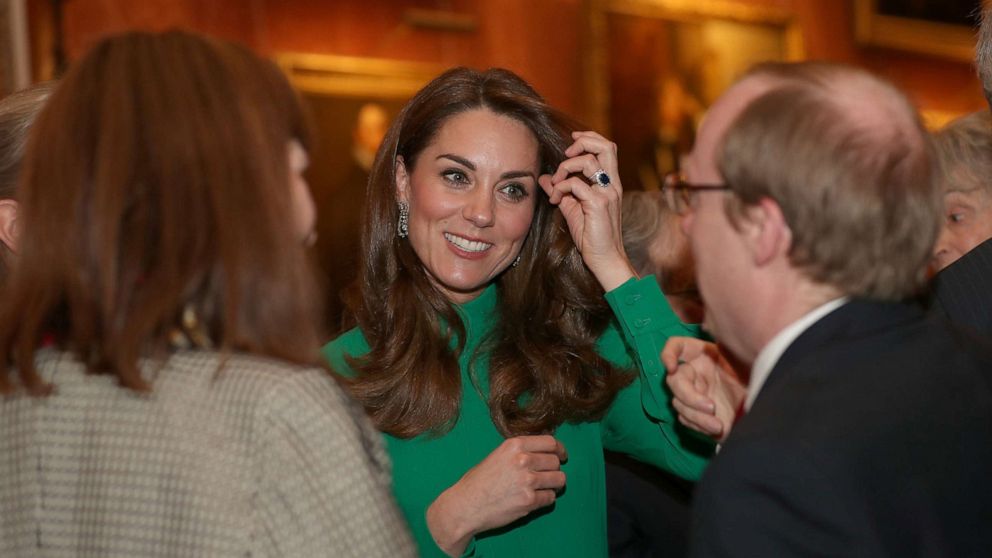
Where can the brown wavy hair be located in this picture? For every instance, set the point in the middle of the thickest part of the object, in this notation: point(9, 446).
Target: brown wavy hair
point(155, 182)
point(551, 309)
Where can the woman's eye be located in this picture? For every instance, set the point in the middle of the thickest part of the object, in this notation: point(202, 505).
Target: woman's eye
point(957, 215)
point(455, 176)
point(515, 191)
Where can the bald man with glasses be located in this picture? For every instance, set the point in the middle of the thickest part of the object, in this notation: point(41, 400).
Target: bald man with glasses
point(867, 424)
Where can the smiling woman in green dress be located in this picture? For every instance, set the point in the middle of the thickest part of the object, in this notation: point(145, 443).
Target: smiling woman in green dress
point(485, 348)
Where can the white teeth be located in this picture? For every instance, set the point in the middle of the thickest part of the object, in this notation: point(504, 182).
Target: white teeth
point(467, 245)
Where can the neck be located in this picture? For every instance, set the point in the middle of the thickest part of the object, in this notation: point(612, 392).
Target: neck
point(782, 302)
point(803, 297)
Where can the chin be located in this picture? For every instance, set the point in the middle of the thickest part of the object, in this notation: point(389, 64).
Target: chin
point(461, 287)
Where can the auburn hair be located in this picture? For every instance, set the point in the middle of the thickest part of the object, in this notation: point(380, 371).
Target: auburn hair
point(544, 368)
point(156, 185)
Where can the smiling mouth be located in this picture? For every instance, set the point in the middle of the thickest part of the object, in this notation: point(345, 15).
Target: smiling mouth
point(466, 244)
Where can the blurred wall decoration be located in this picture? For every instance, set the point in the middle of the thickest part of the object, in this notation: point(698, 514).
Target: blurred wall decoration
point(937, 27)
point(654, 66)
point(14, 62)
point(666, 59)
point(6, 51)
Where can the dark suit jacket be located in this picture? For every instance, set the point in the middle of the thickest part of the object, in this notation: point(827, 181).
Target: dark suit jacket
point(963, 290)
point(647, 510)
point(871, 437)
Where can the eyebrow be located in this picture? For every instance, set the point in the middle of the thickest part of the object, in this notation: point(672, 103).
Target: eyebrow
point(963, 191)
point(470, 166)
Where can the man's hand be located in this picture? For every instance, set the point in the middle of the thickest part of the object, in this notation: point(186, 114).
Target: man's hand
point(708, 391)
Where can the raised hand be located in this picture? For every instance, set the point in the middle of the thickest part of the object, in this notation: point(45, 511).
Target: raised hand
point(518, 477)
point(592, 208)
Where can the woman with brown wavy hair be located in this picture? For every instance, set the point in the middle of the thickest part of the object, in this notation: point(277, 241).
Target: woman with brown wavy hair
point(485, 350)
point(159, 329)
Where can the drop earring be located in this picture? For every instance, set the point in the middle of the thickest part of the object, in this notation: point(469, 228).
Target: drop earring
point(403, 226)
point(516, 262)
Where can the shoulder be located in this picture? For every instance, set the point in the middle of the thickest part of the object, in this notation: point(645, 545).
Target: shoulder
point(351, 343)
point(303, 406)
point(907, 349)
point(764, 497)
point(960, 290)
point(213, 379)
point(882, 387)
point(245, 373)
point(250, 385)
point(286, 391)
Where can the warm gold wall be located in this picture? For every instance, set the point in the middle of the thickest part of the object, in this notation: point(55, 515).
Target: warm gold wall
point(540, 39)
point(545, 41)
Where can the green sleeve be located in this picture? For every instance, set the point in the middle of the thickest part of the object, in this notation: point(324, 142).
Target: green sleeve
point(641, 421)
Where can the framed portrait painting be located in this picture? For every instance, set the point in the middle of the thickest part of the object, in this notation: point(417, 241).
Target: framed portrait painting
point(937, 27)
point(654, 66)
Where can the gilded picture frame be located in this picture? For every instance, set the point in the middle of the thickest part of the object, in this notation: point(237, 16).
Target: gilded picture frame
point(944, 28)
point(14, 63)
point(647, 60)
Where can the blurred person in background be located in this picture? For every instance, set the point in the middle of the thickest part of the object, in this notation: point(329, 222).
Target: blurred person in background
point(960, 290)
point(963, 253)
point(656, 245)
point(964, 163)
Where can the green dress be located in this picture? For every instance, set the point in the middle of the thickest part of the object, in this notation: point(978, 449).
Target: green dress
point(640, 422)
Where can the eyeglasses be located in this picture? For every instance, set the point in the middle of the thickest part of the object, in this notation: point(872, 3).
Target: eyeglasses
point(679, 194)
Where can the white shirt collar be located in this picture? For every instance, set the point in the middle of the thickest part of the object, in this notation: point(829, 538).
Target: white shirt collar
point(770, 353)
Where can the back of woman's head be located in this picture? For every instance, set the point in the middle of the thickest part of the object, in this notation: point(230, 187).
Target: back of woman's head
point(155, 197)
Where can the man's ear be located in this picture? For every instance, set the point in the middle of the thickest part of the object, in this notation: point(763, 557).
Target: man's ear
point(402, 180)
point(9, 228)
point(768, 234)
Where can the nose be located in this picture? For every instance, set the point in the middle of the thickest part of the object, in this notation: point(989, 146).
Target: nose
point(478, 208)
point(941, 250)
point(685, 222)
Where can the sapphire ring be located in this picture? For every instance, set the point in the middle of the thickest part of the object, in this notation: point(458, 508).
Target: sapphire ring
point(600, 177)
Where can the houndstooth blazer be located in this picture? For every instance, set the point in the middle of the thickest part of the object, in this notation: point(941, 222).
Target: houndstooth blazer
point(249, 458)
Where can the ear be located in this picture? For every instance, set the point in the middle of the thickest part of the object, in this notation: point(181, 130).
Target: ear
point(402, 180)
point(9, 228)
point(767, 233)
